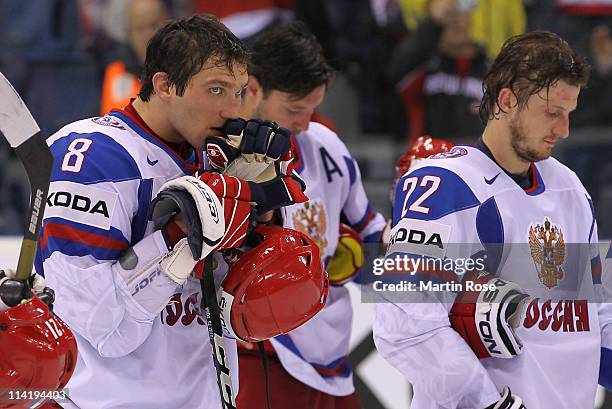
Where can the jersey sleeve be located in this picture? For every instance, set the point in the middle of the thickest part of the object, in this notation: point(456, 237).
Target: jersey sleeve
point(361, 216)
point(602, 279)
point(96, 209)
point(435, 214)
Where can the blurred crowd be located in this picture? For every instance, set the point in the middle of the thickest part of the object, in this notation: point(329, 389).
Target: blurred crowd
point(416, 66)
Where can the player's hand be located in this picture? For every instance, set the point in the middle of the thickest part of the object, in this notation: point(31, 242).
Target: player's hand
point(259, 151)
point(487, 319)
point(248, 147)
point(215, 213)
point(237, 197)
point(13, 292)
point(507, 401)
point(348, 258)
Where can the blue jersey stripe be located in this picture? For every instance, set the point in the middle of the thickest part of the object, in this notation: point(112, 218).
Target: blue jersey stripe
point(139, 223)
point(451, 195)
point(490, 228)
point(103, 160)
point(340, 363)
point(350, 164)
point(605, 368)
point(75, 239)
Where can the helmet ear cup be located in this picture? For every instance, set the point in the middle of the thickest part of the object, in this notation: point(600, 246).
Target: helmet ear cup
point(274, 287)
point(37, 349)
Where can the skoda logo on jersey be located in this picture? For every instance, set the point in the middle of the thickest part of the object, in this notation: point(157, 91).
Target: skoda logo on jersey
point(415, 236)
point(78, 202)
point(422, 237)
point(85, 204)
point(455, 152)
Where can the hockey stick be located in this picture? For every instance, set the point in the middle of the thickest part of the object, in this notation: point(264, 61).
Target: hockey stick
point(215, 332)
point(23, 134)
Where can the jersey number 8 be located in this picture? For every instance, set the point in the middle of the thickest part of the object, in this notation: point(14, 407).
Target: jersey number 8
point(76, 151)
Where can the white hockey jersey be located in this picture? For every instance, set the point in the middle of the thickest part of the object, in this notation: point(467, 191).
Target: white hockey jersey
point(316, 353)
point(544, 239)
point(106, 172)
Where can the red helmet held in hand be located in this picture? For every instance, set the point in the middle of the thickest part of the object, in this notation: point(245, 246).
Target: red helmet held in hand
point(274, 287)
point(37, 349)
point(422, 148)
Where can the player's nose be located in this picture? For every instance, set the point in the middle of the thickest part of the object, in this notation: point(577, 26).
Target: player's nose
point(561, 129)
point(231, 108)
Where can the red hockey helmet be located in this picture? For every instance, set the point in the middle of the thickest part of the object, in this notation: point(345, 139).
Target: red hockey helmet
point(274, 287)
point(37, 349)
point(422, 148)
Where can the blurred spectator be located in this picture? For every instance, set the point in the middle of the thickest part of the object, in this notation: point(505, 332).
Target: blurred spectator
point(493, 21)
point(438, 70)
point(49, 51)
point(595, 108)
point(121, 77)
point(585, 24)
point(113, 16)
point(247, 18)
point(355, 44)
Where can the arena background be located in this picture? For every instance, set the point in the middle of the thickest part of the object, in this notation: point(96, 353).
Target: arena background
point(71, 95)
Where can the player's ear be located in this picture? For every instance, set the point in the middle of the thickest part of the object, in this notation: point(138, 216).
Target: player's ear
point(161, 87)
point(253, 87)
point(506, 100)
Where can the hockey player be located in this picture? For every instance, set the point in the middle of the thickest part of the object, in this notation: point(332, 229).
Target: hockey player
point(506, 202)
point(124, 283)
point(288, 77)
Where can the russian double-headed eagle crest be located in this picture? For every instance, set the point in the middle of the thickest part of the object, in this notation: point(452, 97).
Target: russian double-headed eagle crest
point(312, 220)
point(548, 252)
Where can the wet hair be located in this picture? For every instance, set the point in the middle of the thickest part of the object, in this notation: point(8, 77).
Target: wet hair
point(182, 47)
point(527, 64)
point(289, 59)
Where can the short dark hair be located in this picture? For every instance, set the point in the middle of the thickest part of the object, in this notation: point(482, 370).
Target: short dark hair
point(288, 58)
point(182, 47)
point(527, 64)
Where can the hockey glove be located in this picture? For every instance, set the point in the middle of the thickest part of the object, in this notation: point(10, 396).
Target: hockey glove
point(486, 313)
point(248, 148)
point(348, 258)
point(13, 292)
point(507, 401)
point(236, 197)
point(259, 151)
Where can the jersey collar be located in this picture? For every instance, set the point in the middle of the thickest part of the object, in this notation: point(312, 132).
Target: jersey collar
point(192, 164)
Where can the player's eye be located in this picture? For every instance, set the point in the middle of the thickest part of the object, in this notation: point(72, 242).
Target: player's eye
point(216, 90)
point(553, 114)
